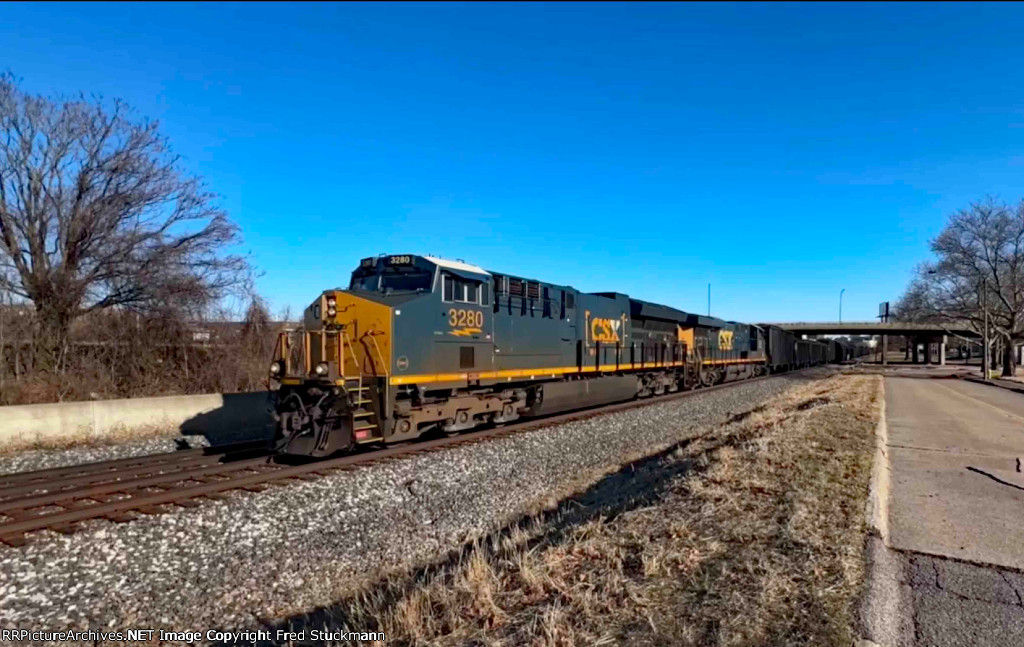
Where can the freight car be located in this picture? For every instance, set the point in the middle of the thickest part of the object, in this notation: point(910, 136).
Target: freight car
point(418, 344)
point(810, 353)
point(837, 352)
point(781, 349)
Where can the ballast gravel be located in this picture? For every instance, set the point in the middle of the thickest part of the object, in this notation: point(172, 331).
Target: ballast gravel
point(256, 558)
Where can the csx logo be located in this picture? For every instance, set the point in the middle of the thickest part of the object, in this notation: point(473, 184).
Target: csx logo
point(605, 330)
point(724, 340)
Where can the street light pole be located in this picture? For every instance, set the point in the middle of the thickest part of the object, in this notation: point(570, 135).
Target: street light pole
point(841, 305)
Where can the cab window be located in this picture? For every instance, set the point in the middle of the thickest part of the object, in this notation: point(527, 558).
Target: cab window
point(369, 282)
point(406, 281)
point(392, 279)
point(457, 290)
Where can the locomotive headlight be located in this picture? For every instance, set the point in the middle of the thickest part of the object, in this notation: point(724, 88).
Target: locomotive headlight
point(277, 368)
point(322, 369)
point(332, 306)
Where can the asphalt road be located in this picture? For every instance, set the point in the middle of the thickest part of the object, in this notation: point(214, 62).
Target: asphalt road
point(957, 510)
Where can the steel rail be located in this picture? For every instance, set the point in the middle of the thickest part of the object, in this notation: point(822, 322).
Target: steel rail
point(125, 486)
point(70, 471)
point(118, 463)
point(87, 473)
point(70, 484)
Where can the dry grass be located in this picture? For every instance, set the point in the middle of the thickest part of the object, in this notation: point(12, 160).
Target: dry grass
point(750, 535)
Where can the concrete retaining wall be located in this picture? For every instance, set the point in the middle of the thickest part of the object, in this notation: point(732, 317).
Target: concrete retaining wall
point(216, 416)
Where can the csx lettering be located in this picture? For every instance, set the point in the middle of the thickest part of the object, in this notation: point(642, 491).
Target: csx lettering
point(724, 340)
point(472, 318)
point(605, 330)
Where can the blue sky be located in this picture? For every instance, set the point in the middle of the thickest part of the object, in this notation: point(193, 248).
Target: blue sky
point(779, 152)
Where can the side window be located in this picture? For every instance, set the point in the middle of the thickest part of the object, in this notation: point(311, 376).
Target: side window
point(570, 301)
point(454, 289)
point(447, 288)
point(484, 300)
point(465, 291)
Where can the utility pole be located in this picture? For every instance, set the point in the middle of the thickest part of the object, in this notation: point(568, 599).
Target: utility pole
point(841, 305)
point(984, 334)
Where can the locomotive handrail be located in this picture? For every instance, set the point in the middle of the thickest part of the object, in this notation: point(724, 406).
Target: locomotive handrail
point(343, 337)
point(380, 355)
point(306, 341)
point(286, 355)
point(340, 353)
point(323, 346)
point(355, 360)
point(387, 378)
point(279, 353)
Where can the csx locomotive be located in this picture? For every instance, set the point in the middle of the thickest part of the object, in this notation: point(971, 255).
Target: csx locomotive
point(419, 344)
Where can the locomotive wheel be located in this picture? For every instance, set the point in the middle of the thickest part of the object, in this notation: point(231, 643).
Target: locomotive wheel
point(707, 377)
point(462, 422)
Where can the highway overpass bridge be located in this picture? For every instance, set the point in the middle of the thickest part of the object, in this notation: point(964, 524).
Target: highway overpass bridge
point(929, 338)
point(875, 328)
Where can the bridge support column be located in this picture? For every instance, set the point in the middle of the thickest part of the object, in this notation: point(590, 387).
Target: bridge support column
point(928, 352)
point(885, 348)
point(942, 351)
point(916, 351)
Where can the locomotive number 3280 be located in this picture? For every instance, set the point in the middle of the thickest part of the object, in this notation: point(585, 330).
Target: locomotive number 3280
point(472, 318)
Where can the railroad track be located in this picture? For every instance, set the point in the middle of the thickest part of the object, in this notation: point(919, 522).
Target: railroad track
point(62, 499)
point(91, 472)
point(37, 496)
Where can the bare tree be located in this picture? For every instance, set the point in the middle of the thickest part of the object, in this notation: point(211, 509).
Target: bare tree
point(257, 338)
point(979, 266)
point(96, 213)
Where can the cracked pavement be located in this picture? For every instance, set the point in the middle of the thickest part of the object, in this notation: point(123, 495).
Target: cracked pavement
point(958, 603)
point(956, 512)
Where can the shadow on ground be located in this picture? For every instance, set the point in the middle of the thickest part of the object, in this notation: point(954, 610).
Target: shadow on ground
point(242, 417)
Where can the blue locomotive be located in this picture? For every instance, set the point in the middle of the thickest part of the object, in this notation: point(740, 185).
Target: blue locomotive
point(418, 344)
